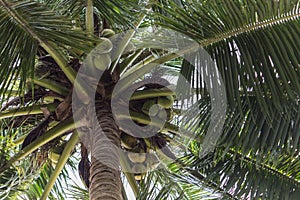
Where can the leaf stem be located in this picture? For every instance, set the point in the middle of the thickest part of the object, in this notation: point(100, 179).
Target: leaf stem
point(151, 93)
point(30, 110)
point(52, 85)
point(130, 178)
point(144, 119)
point(89, 17)
point(128, 36)
point(247, 28)
point(129, 61)
point(55, 53)
point(61, 163)
point(126, 81)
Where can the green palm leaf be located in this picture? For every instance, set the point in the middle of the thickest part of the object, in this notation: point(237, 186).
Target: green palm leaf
point(244, 176)
point(235, 42)
point(255, 45)
point(118, 13)
point(25, 25)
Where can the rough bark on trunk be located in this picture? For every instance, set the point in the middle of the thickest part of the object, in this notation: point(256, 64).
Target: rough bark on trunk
point(105, 181)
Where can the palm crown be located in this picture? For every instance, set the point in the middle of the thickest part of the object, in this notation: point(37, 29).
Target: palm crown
point(254, 46)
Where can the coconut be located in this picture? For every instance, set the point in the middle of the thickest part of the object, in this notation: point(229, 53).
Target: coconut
point(102, 62)
point(139, 168)
point(107, 33)
point(163, 114)
point(55, 153)
point(166, 102)
point(104, 47)
point(152, 161)
point(150, 107)
point(139, 177)
point(54, 157)
point(89, 61)
point(136, 157)
point(128, 141)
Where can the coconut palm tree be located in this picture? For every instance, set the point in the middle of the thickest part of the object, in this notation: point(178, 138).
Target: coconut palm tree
point(231, 129)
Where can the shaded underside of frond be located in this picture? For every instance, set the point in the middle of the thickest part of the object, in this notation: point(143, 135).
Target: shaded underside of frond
point(118, 13)
point(250, 145)
point(166, 184)
point(244, 177)
point(24, 26)
point(255, 45)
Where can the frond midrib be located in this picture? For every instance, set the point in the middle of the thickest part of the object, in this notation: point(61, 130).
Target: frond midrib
point(20, 20)
point(61, 61)
point(266, 167)
point(248, 28)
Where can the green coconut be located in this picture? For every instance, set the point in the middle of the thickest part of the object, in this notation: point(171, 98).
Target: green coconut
point(154, 110)
point(107, 33)
point(166, 102)
point(105, 46)
point(136, 157)
point(128, 141)
point(165, 114)
point(150, 108)
point(162, 114)
point(139, 168)
point(152, 161)
point(102, 62)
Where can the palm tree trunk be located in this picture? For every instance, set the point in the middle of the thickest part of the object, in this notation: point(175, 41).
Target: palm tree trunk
point(105, 180)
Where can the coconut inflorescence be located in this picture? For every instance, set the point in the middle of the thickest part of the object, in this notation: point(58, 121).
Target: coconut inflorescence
point(140, 152)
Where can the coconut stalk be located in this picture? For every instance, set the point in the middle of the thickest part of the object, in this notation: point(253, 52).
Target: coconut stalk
point(151, 93)
point(61, 163)
point(30, 110)
point(51, 85)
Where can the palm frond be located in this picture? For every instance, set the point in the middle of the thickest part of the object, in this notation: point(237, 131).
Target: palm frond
point(255, 51)
point(28, 178)
point(33, 17)
point(118, 13)
point(164, 184)
point(34, 189)
point(251, 144)
point(244, 177)
point(248, 131)
point(23, 29)
point(211, 21)
point(78, 193)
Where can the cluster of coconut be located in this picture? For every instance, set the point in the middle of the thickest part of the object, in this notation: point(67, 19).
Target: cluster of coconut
point(159, 107)
point(142, 157)
point(100, 57)
point(141, 160)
